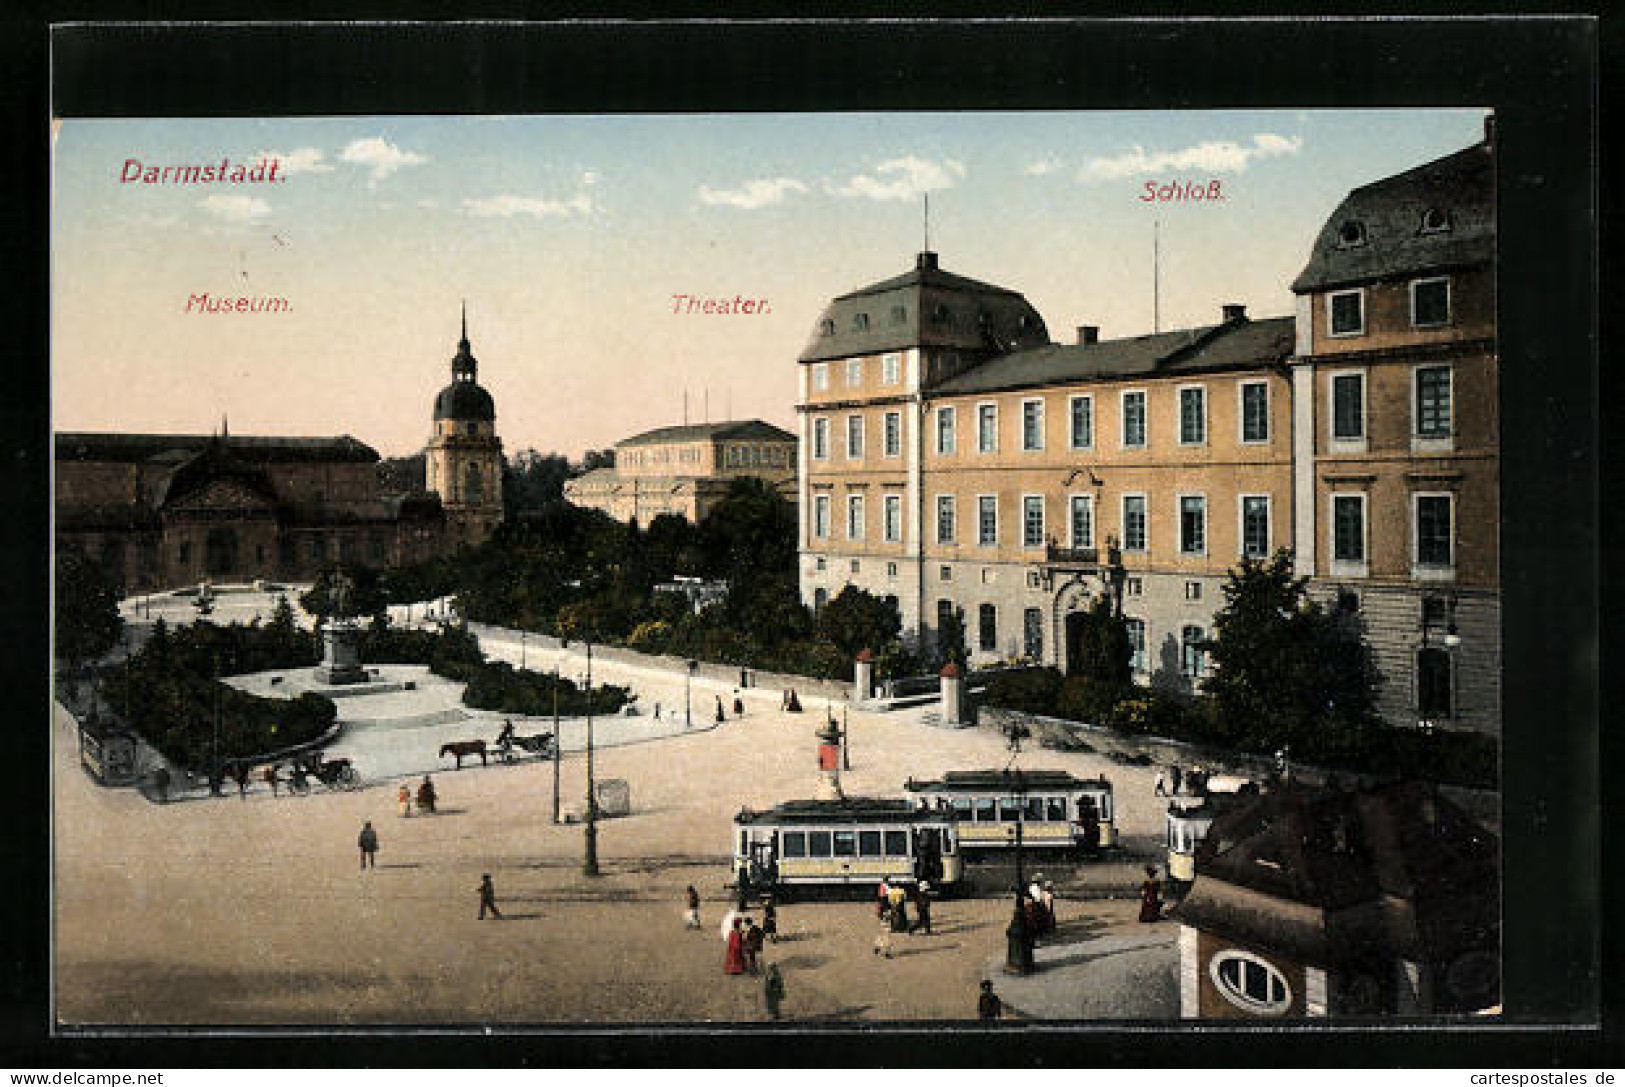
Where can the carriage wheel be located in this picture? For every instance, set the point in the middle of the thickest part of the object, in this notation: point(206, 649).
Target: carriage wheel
point(299, 790)
point(350, 778)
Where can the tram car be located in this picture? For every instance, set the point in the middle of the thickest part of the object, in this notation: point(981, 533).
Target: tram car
point(1191, 817)
point(1055, 809)
point(848, 842)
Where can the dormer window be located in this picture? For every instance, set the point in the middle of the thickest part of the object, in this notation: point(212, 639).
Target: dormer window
point(899, 315)
point(1435, 221)
point(940, 314)
point(1351, 234)
point(860, 321)
point(826, 327)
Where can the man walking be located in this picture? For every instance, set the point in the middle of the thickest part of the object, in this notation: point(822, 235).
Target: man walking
point(773, 990)
point(988, 1005)
point(368, 841)
point(488, 898)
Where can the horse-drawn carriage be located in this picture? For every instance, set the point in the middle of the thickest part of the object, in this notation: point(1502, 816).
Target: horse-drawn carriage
point(507, 747)
point(332, 773)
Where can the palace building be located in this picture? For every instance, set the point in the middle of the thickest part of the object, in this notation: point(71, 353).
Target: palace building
point(160, 511)
point(686, 470)
point(955, 460)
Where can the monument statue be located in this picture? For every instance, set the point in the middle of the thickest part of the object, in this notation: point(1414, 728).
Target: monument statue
point(341, 649)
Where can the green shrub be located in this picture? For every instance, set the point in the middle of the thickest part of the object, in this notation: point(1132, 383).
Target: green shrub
point(1029, 690)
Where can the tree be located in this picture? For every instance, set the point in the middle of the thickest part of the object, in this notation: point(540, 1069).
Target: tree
point(1285, 670)
point(750, 533)
point(367, 596)
point(594, 459)
point(1105, 660)
point(401, 475)
point(951, 639)
point(857, 620)
point(532, 480)
point(87, 618)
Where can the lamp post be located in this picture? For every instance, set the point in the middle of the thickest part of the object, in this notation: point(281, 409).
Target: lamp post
point(1018, 949)
point(558, 743)
point(522, 633)
point(214, 771)
point(590, 864)
point(688, 684)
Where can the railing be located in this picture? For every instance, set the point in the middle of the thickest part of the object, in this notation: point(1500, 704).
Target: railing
point(1071, 556)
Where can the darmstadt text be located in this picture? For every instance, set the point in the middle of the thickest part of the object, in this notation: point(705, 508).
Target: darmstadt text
point(1195, 191)
point(224, 172)
point(209, 303)
point(690, 303)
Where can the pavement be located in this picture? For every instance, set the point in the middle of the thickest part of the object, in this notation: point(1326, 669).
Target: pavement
point(1103, 964)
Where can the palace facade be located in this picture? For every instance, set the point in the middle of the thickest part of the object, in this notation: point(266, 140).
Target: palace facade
point(955, 460)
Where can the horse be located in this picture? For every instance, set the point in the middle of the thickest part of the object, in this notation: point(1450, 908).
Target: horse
point(462, 748)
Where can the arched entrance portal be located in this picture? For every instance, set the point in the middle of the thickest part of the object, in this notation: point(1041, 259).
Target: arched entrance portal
point(1075, 622)
point(1071, 601)
point(220, 551)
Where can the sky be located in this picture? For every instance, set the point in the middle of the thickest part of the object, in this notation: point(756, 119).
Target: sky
point(568, 237)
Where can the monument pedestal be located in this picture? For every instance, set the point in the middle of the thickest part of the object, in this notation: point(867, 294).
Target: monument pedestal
point(341, 654)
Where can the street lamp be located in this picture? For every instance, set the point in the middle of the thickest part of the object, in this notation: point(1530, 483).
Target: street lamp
point(558, 743)
point(688, 684)
point(522, 633)
point(590, 864)
point(1018, 950)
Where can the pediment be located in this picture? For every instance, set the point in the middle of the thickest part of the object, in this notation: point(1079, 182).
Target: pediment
point(222, 494)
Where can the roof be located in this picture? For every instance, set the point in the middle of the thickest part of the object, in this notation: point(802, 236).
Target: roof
point(1235, 344)
point(132, 448)
point(855, 809)
point(978, 780)
point(926, 307)
point(1389, 215)
point(465, 399)
point(740, 429)
point(1397, 869)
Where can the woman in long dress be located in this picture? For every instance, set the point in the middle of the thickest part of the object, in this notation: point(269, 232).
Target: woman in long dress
point(734, 961)
point(1150, 898)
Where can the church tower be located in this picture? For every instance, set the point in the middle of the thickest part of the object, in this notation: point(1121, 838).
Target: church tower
point(463, 459)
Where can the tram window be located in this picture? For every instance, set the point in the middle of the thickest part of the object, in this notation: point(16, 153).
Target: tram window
point(795, 844)
point(985, 812)
point(1035, 809)
point(818, 843)
point(1055, 809)
point(869, 843)
point(1009, 809)
point(897, 843)
point(962, 807)
point(846, 843)
point(744, 846)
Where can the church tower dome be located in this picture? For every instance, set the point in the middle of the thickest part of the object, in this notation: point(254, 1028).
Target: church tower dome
point(463, 460)
point(463, 398)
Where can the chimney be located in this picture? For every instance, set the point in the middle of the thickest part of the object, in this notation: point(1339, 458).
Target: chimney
point(1234, 311)
point(926, 260)
point(1489, 129)
point(1088, 334)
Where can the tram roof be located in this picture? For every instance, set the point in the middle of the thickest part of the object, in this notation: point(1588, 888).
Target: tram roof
point(855, 809)
point(983, 780)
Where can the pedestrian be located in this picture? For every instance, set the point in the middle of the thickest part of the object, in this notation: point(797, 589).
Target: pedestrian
point(744, 679)
point(488, 898)
point(733, 960)
point(1150, 897)
point(1162, 783)
point(753, 946)
point(160, 782)
point(770, 919)
point(773, 990)
point(691, 916)
point(426, 795)
point(1019, 939)
point(1049, 906)
point(721, 716)
point(899, 908)
point(1176, 775)
point(988, 1004)
point(739, 705)
point(404, 799)
point(883, 941)
point(271, 778)
point(922, 909)
point(657, 711)
point(728, 920)
point(239, 774)
point(368, 841)
point(883, 902)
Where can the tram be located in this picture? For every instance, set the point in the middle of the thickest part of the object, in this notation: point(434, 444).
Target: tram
point(1191, 817)
point(848, 842)
point(1054, 809)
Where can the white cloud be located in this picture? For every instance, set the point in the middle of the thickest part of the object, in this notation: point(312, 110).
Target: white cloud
point(903, 179)
point(508, 205)
point(380, 156)
point(304, 160)
point(1041, 167)
point(235, 207)
point(1210, 156)
point(756, 193)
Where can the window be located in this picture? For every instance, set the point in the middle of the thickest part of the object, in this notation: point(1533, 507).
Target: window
point(1433, 401)
point(854, 517)
point(1083, 520)
point(854, 437)
point(820, 598)
point(1081, 422)
point(869, 843)
point(891, 366)
point(987, 428)
point(820, 450)
point(1435, 221)
point(1430, 303)
point(1032, 521)
point(1193, 590)
point(1250, 983)
point(821, 564)
point(945, 519)
point(1432, 682)
point(1192, 657)
point(1433, 535)
point(945, 430)
point(899, 314)
point(1055, 809)
point(987, 520)
point(946, 573)
point(821, 517)
point(1255, 526)
point(1346, 315)
point(854, 371)
point(1032, 425)
point(826, 327)
point(891, 572)
point(1255, 411)
point(1133, 587)
point(1192, 525)
point(987, 627)
point(1350, 234)
point(1136, 641)
point(821, 369)
point(860, 321)
point(1348, 407)
point(1134, 420)
point(893, 526)
point(794, 843)
point(818, 844)
point(1032, 633)
point(1134, 534)
point(896, 843)
point(1348, 528)
point(945, 614)
point(1192, 416)
point(892, 434)
point(846, 843)
point(986, 810)
point(1010, 809)
point(855, 564)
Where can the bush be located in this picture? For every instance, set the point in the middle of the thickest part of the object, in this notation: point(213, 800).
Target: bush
point(1084, 699)
point(650, 636)
point(1030, 690)
point(1149, 712)
point(500, 687)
